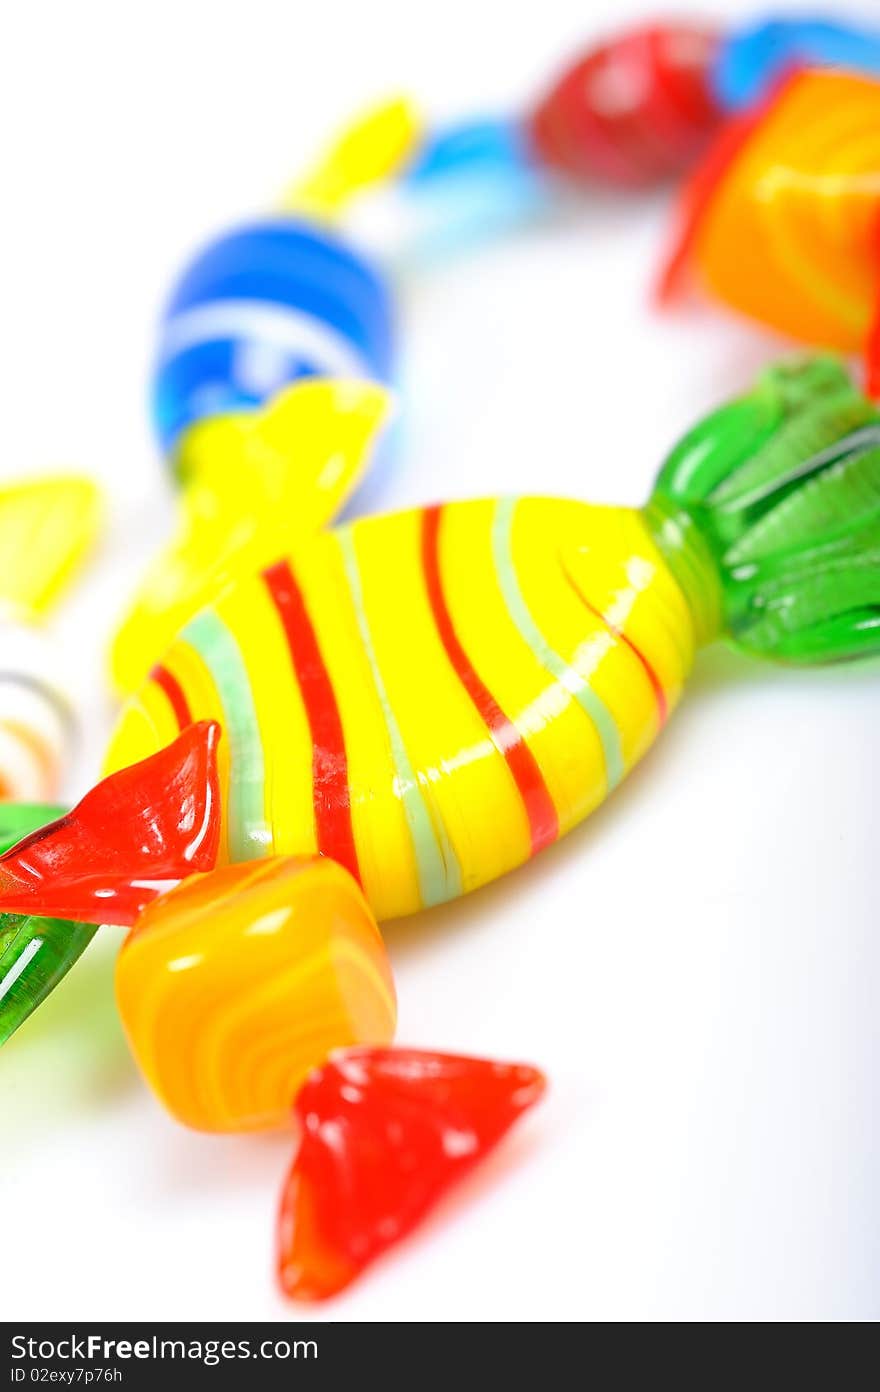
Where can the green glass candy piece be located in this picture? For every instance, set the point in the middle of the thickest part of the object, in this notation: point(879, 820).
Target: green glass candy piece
point(778, 494)
point(35, 953)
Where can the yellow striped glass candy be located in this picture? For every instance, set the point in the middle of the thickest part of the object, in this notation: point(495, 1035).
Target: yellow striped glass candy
point(431, 696)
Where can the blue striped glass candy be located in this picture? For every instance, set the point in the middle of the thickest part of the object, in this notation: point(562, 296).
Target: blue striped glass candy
point(260, 307)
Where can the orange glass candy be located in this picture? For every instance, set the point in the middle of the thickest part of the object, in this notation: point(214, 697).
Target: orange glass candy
point(236, 984)
point(782, 222)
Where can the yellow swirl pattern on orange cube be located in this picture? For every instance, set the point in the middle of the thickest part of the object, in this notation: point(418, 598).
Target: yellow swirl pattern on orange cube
point(236, 984)
point(791, 233)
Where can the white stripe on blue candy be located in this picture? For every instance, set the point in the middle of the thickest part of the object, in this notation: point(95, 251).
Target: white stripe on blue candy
point(250, 321)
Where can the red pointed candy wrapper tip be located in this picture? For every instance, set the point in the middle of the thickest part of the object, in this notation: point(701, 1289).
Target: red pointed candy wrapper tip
point(385, 1133)
point(156, 821)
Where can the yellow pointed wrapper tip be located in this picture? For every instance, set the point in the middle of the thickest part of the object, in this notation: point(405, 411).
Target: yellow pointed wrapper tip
point(255, 484)
point(46, 527)
point(375, 147)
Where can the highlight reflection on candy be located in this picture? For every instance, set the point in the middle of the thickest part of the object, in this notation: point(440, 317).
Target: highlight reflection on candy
point(254, 484)
point(236, 984)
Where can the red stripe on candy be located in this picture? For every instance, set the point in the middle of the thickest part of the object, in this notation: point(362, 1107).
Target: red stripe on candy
point(539, 805)
point(657, 685)
point(332, 797)
point(175, 693)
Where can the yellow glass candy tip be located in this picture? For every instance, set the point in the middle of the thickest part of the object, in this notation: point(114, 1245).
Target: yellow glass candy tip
point(375, 147)
point(46, 527)
point(254, 485)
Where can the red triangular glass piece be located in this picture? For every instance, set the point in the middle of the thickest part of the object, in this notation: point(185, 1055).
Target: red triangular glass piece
point(156, 821)
point(385, 1132)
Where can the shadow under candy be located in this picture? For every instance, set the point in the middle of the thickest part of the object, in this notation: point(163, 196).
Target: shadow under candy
point(70, 1055)
point(189, 1161)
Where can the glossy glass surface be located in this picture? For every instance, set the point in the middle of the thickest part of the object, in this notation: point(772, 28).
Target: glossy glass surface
point(782, 487)
point(254, 485)
point(260, 307)
point(385, 1134)
point(235, 985)
point(35, 954)
point(781, 223)
point(132, 834)
point(432, 696)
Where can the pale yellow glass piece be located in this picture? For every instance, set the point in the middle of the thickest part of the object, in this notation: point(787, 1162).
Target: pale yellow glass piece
point(375, 147)
point(46, 527)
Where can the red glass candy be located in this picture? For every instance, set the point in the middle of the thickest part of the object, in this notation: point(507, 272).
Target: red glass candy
point(385, 1132)
point(142, 827)
point(634, 110)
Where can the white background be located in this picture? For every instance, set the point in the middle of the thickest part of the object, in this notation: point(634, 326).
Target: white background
point(697, 969)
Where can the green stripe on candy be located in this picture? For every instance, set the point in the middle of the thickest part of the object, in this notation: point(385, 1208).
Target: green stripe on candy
point(249, 834)
point(593, 705)
point(438, 868)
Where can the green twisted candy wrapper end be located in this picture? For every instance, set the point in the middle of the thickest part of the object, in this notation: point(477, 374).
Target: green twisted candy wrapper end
point(35, 953)
point(768, 513)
